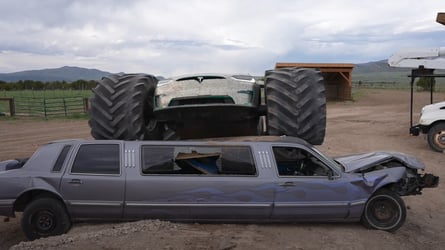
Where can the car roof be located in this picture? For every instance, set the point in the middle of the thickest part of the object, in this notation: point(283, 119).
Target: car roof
point(239, 77)
point(255, 139)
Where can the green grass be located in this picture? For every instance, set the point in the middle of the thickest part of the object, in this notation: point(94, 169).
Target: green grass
point(440, 86)
point(77, 116)
point(358, 93)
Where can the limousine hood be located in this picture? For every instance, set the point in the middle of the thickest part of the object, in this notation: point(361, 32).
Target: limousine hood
point(377, 160)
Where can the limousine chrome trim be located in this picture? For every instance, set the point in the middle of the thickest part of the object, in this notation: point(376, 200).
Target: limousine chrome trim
point(129, 158)
point(141, 204)
point(311, 204)
point(6, 202)
point(320, 204)
point(265, 159)
point(86, 203)
point(358, 203)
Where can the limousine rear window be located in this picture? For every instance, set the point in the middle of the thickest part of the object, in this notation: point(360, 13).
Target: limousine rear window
point(197, 160)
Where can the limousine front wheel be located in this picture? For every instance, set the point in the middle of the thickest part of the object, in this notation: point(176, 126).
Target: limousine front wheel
point(385, 210)
point(45, 217)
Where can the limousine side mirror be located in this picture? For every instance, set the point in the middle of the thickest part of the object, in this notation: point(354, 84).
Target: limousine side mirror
point(330, 174)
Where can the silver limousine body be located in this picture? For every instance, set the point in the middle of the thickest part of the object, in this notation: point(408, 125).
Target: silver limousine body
point(249, 179)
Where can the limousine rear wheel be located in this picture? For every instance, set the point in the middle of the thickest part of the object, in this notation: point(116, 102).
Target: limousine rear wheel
point(296, 103)
point(385, 210)
point(45, 217)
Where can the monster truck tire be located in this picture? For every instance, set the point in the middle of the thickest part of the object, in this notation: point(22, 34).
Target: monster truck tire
point(122, 108)
point(296, 103)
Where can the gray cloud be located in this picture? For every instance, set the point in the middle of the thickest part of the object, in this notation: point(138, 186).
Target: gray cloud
point(176, 37)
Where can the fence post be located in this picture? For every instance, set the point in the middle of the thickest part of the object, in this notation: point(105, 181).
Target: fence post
point(44, 106)
point(12, 107)
point(85, 105)
point(64, 105)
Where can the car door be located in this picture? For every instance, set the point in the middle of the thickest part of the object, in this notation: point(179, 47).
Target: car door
point(307, 188)
point(93, 187)
point(197, 183)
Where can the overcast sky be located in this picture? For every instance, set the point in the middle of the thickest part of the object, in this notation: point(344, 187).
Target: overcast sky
point(172, 37)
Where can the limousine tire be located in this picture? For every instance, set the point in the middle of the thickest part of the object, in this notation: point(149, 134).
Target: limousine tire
point(385, 210)
point(122, 108)
point(45, 217)
point(296, 103)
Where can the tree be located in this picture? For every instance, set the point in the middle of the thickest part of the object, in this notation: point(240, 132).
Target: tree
point(424, 83)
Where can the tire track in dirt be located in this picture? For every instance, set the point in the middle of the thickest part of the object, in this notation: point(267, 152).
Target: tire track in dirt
point(22, 136)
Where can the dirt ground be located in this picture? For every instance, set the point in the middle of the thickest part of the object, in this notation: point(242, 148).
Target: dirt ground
point(376, 120)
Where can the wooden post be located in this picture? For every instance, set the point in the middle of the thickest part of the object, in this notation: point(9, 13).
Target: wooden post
point(85, 105)
point(64, 106)
point(44, 106)
point(11, 105)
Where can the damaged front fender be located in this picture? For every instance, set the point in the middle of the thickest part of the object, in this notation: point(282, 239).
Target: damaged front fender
point(429, 181)
point(400, 179)
point(382, 177)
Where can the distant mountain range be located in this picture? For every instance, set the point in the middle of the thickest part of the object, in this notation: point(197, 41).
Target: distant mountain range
point(66, 73)
point(379, 71)
point(371, 72)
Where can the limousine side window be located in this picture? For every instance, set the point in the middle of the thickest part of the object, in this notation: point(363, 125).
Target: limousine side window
point(292, 161)
point(61, 159)
point(197, 160)
point(97, 159)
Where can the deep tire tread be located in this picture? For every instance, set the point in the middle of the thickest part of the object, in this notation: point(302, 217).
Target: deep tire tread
point(296, 103)
point(122, 106)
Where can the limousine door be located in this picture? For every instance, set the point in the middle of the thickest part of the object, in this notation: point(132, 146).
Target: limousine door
point(197, 183)
point(197, 198)
point(94, 186)
point(308, 189)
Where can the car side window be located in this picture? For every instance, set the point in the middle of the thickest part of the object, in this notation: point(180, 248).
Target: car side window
point(61, 159)
point(97, 159)
point(197, 160)
point(292, 161)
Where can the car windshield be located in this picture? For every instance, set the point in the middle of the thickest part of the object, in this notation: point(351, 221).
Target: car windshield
point(331, 161)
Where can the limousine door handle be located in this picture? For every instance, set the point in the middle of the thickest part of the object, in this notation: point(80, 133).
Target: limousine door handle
point(287, 184)
point(75, 181)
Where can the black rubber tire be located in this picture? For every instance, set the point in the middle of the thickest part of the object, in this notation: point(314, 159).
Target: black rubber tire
point(170, 135)
point(122, 108)
point(385, 210)
point(296, 103)
point(436, 137)
point(45, 217)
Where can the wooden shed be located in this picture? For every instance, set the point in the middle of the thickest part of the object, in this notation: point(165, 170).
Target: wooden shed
point(441, 18)
point(337, 76)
